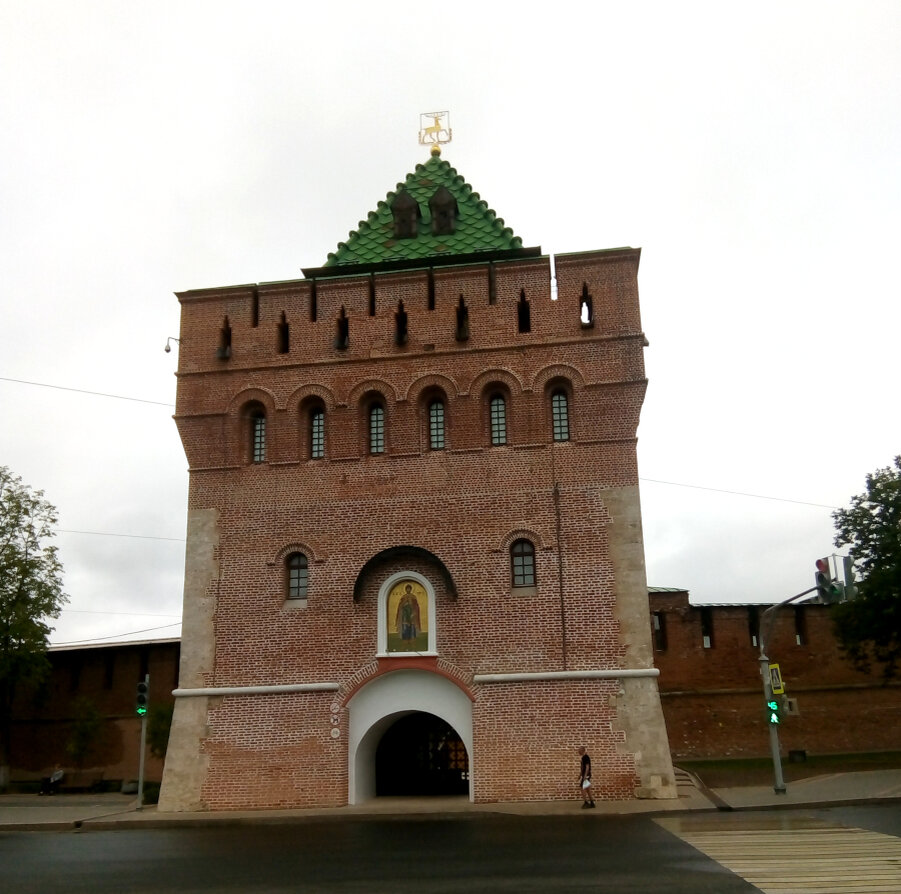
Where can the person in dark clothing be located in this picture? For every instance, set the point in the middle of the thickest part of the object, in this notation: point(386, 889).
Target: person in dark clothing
point(585, 779)
point(50, 784)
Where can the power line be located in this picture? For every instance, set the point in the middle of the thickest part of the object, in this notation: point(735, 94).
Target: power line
point(87, 611)
point(94, 639)
point(139, 400)
point(113, 534)
point(718, 490)
point(737, 493)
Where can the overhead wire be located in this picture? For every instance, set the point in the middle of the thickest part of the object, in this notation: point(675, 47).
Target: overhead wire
point(702, 487)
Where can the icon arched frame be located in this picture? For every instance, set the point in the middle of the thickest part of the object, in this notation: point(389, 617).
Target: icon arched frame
point(391, 643)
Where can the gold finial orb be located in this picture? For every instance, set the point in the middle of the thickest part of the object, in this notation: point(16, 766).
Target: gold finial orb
point(436, 150)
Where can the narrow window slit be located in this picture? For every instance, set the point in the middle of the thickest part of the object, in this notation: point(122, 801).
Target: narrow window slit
point(523, 313)
point(284, 335)
point(462, 320)
point(342, 336)
point(400, 324)
point(224, 351)
point(586, 308)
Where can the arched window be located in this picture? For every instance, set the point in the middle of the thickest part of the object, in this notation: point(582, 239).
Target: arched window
point(258, 436)
point(436, 424)
point(376, 429)
point(498, 414)
point(317, 433)
point(298, 576)
point(560, 415)
point(522, 563)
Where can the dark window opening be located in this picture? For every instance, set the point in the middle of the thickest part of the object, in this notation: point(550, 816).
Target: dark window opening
point(523, 313)
point(443, 208)
point(298, 576)
point(492, 284)
point(255, 309)
point(342, 333)
point(462, 320)
point(431, 299)
point(405, 211)
point(754, 625)
point(800, 626)
point(658, 626)
point(314, 302)
point(400, 325)
point(376, 429)
point(371, 294)
point(224, 351)
point(560, 415)
point(317, 434)
point(586, 308)
point(436, 425)
point(284, 335)
point(707, 628)
point(522, 561)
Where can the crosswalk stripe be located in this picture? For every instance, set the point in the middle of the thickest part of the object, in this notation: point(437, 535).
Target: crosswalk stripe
point(822, 859)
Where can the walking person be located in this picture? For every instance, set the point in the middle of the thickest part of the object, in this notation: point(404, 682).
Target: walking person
point(585, 779)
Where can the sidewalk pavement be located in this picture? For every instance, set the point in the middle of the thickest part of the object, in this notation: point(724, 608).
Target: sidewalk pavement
point(24, 813)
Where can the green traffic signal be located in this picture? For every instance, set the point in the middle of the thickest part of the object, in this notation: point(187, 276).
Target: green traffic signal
point(773, 711)
point(141, 699)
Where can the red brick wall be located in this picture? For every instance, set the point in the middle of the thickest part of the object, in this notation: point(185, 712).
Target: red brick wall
point(713, 698)
point(106, 678)
point(465, 504)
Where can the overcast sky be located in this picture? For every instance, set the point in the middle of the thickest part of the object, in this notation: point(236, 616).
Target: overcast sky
point(752, 151)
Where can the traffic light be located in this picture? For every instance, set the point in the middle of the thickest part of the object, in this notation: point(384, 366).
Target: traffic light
point(774, 711)
point(141, 699)
point(828, 589)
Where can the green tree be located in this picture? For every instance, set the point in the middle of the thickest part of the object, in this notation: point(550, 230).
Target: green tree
point(85, 736)
point(31, 593)
point(868, 627)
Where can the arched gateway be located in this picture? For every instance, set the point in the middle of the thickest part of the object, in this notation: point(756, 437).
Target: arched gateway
point(417, 706)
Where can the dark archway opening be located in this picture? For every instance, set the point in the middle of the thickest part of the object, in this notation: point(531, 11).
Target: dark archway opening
point(420, 754)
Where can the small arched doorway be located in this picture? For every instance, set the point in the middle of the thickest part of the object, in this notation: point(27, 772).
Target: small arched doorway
point(421, 754)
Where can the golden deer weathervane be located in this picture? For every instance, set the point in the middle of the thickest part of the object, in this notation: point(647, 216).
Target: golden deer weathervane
point(434, 129)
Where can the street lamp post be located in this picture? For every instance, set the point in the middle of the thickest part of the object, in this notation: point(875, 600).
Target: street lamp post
point(765, 625)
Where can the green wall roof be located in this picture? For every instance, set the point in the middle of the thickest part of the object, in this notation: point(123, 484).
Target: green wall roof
point(478, 228)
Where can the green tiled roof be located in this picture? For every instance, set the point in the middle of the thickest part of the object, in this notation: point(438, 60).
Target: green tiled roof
point(477, 229)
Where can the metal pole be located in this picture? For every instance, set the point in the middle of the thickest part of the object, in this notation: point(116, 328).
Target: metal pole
point(779, 782)
point(765, 625)
point(143, 748)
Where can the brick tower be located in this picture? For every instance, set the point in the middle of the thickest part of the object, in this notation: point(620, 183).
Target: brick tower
point(414, 558)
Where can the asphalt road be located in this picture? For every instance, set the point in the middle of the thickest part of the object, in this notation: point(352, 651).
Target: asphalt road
point(462, 854)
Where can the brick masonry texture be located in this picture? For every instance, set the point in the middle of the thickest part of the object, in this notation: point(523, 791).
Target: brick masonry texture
point(460, 507)
point(713, 697)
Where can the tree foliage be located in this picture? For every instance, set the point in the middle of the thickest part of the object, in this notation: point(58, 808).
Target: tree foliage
point(31, 591)
point(868, 628)
point(87, 728)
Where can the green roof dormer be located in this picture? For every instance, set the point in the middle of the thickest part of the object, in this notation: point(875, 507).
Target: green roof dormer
point(434, 215)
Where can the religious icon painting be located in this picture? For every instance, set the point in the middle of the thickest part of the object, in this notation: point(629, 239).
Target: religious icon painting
point(407, 621)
